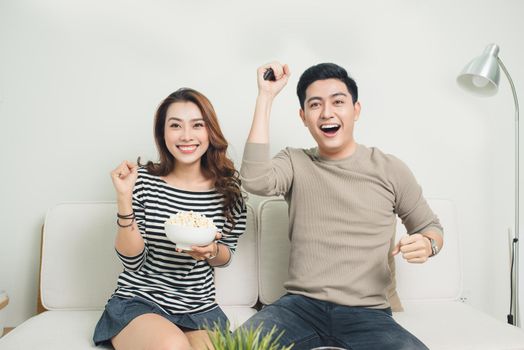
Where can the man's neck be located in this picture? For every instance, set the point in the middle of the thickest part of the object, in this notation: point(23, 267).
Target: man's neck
point(346, 152)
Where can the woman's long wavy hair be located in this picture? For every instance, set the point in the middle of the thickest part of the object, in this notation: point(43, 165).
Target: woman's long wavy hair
point(215, 163)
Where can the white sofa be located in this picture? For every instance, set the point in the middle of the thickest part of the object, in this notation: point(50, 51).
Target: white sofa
point(79, 271)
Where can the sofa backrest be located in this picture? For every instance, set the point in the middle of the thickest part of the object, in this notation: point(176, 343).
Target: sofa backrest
point(80, 268)
point(440, 278)
point(79, 265)
point(237, 284)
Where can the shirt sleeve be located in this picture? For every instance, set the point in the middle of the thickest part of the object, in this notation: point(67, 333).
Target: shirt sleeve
point(410, 204)
point(264, 176)
point(231, 231)
point(134, 263)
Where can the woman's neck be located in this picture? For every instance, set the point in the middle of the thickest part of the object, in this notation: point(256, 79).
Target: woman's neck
point(189, 177)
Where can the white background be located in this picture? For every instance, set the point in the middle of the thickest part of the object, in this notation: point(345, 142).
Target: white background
point(80, 82)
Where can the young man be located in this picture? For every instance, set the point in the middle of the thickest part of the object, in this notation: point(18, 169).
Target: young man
point(343, 200)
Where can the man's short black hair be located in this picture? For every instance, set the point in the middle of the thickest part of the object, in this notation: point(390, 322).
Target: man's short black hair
point(323, 71)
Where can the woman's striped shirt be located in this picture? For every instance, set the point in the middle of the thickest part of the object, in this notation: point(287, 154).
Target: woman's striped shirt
point(174, 281)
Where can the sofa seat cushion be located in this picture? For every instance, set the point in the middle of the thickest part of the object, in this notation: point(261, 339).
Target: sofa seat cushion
point(238, 314)
point(452, 325)
point(66, 330)
point(54, 330)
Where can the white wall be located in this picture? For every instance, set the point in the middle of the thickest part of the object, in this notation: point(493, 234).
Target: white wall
point(80, 81)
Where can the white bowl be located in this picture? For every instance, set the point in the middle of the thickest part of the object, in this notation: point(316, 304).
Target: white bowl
point(184, 237)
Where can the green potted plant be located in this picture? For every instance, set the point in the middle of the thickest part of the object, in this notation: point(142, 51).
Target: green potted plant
point(245, 339)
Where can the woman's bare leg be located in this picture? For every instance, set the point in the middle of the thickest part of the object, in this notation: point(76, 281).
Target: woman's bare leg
point(151, 332)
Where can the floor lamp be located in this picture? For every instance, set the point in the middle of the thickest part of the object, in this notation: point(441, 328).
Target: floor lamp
point(481, 76)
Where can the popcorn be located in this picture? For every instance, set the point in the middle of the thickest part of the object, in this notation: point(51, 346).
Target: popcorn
point(190, 219)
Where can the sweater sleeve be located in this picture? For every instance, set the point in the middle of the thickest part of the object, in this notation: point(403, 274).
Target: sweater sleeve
point(410, 204)
point(264, 176)
point(134, 263)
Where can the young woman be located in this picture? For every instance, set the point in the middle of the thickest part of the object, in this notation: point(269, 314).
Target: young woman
point(165, 297)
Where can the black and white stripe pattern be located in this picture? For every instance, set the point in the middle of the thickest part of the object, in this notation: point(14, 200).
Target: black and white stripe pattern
point(174, 281)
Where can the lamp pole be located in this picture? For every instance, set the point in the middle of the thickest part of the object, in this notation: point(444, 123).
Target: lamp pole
point(514, 306)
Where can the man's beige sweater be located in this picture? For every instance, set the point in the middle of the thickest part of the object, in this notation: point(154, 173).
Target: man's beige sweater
point(342, 216)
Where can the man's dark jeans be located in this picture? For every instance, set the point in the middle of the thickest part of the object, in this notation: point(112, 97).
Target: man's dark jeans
point(309, 323)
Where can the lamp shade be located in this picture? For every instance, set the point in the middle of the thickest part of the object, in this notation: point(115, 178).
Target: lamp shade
point(481, 76)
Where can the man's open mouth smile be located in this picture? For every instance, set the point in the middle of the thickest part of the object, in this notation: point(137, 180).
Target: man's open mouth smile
point(330, 129)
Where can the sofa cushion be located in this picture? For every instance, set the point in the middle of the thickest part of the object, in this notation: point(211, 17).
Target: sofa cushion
point(66, 330)
point(54, 330)
point(78, 251)
point(274, 250)
point(236, 284)
point(440, 278)
point(452, 325)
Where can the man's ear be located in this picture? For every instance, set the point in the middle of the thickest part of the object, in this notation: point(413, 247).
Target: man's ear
point(302, 116)
point(357, 110)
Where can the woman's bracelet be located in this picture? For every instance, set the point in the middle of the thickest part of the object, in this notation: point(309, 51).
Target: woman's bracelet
point(125, 217)
point(128, 216)
point(124, 226)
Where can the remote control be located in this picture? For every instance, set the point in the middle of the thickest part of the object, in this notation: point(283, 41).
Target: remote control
point(269, 75)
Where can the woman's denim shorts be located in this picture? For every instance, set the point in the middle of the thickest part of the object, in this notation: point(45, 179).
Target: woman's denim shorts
point(119, 312)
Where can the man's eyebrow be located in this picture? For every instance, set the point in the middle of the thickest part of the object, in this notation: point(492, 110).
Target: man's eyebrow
point(339, 94)
point(313, 98)
point(333, 95)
